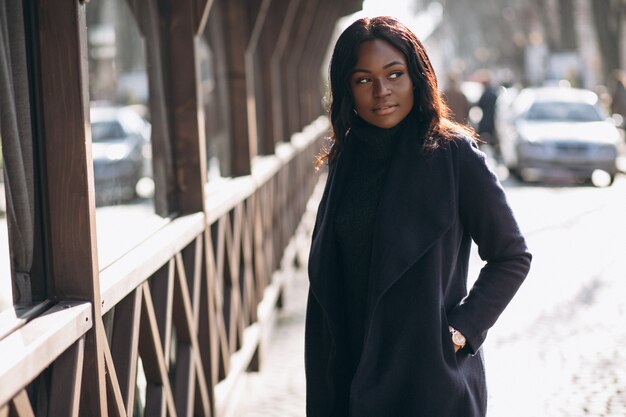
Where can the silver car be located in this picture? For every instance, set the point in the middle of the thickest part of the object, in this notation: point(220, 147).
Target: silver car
point(121, 152)
point(556, 131)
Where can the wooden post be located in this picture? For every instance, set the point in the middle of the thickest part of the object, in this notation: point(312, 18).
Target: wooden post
point(311, 63)
point(257, 73)
point(297, 49)
point(178, 135)
point(68, 178)
point(147, 14)
point(284, 63)
point(239, 16)
point(185, 107)
point(308, 69)
point(278, 72)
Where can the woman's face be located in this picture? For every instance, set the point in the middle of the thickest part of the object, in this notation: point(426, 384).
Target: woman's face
point(381, 86)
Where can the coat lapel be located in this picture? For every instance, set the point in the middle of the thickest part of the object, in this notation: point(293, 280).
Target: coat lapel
point(417, 207)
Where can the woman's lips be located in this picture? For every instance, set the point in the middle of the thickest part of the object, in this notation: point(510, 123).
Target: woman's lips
point(383, 110)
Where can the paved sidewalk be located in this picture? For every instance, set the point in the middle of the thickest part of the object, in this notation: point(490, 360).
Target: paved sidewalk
point(279, 389)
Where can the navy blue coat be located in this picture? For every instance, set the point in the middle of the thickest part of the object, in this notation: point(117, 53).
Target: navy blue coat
point(432, 206)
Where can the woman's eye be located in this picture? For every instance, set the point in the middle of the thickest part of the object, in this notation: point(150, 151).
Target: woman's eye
point(395, 75)
point(361, 80)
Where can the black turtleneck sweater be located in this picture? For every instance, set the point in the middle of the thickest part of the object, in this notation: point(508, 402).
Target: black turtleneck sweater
point(371, 150)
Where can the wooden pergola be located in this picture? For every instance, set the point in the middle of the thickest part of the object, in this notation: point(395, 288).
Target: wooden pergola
point(191, 301)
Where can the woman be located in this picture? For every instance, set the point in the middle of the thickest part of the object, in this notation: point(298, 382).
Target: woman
point(407, 192)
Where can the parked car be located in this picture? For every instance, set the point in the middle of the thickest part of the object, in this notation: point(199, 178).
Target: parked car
point(556, 131)
point(121, 152)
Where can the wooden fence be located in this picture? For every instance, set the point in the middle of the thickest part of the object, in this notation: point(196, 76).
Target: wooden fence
point(183, 313)
point(165, 329)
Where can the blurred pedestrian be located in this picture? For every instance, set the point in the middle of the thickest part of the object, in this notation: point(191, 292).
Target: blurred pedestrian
point(618, 94)
point(487, 124)
point(391, 329)
point(456, 100)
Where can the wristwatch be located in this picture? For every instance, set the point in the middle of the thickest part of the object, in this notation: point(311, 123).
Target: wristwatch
point(457, 337)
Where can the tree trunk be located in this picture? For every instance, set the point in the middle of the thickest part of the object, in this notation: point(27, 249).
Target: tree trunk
point(569, 42)
point(544, 10)
point(607, 17)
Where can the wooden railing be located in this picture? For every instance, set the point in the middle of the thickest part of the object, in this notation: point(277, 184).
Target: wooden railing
point(184, 312)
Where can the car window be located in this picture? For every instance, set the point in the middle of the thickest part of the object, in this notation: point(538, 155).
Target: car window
point(563, 111)
point(107, 130)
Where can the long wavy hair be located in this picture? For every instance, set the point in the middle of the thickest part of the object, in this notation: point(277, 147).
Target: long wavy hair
point(429, 108)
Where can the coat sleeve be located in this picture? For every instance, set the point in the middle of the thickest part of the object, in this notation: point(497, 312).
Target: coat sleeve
point(486, 215)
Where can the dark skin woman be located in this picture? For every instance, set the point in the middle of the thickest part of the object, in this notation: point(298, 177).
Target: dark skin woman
point(391, 328)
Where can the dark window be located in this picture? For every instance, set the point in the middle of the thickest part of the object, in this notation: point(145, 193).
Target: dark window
point(563, 112)
point(22, 281)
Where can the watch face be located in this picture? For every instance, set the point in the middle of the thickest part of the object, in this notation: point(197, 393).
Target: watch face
point(458, 339)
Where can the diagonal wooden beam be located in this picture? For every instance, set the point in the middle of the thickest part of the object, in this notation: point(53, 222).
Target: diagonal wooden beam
point(220, 295)
point(186, 331)
point(67, 370)
point(258, 237)
point(20, 406)
point(114, 394)
point(246, 281)
point(267, 214)
point(239, 220)
point(151, 351)
point(207, 321)
point(198, 276)
point(192, 258)
point(201, 14)
point(163, 295)
point(125, 345)
point(232, 297)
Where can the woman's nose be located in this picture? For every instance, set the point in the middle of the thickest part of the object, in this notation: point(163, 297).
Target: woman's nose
point(381, 88)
